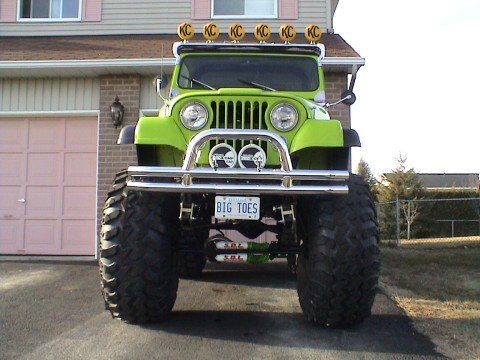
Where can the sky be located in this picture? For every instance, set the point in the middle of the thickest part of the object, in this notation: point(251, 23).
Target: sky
point(419, 93)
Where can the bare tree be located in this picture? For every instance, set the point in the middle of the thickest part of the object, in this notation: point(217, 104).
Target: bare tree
point(403, 185)
point(411, 211)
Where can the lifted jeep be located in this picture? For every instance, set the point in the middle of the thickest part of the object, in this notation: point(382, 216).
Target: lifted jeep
point(244, 136)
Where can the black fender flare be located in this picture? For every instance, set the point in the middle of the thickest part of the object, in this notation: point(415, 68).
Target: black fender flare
point(127, 135)
point(351, 138)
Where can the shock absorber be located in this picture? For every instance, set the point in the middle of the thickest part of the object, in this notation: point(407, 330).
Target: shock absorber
point(221, 249)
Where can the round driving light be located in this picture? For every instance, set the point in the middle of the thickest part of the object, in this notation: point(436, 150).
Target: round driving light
point(284, 117)
point(222, 156)
point(252, 156)
point(194, 116)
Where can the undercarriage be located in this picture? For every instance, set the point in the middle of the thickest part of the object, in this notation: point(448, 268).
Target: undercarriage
point(277, 217)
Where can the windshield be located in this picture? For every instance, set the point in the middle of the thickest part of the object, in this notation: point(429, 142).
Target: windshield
point(282, 73)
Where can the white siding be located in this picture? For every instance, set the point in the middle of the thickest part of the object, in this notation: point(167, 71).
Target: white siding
point(148, 96)
point(49, 94)
point(155, 17)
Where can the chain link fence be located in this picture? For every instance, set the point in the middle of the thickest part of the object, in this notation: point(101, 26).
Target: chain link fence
point(429, 221)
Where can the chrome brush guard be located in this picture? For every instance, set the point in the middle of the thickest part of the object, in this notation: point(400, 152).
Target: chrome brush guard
point(192, 179)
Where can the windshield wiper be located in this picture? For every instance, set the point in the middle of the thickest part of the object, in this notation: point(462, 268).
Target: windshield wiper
point(255, 85)
point(198, 82)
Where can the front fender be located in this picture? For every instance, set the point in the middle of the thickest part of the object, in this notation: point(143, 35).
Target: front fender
point(159, 131)
point(318, 133)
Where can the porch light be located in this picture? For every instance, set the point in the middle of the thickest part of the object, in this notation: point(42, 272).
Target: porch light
point(117, 110)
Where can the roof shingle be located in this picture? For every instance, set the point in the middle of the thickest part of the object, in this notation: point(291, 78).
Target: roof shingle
point(121, 47)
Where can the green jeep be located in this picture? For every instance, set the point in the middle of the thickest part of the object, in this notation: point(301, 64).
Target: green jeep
point(244, 142)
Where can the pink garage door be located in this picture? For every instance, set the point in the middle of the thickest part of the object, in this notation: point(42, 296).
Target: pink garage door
point(47, 186)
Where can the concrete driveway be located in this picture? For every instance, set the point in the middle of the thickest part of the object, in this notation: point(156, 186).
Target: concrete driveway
point(55, 311)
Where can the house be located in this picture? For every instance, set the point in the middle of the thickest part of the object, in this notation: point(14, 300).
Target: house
point(450, 181)
point(62, 63)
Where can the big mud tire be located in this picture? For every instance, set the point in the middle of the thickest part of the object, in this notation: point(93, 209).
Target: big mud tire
point(338, 273)
point(191, 253)
point(139, 277)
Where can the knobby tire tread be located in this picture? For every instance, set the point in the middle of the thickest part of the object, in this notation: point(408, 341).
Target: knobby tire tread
point(139, 279)
point(338, 274)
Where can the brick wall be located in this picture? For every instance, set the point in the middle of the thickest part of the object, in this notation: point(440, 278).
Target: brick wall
point(335, 84)
point(112, 157)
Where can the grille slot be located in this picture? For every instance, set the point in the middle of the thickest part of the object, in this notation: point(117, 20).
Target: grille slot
point(239, 115)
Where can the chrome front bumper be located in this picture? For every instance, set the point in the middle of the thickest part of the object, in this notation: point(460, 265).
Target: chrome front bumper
point(191, 179)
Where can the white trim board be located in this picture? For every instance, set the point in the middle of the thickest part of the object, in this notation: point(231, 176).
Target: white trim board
point(50, 113)
point(329, 16)
point(96, 236)
point(82, 68)
point(332, 61)
point(46, 68)
point(59, 64)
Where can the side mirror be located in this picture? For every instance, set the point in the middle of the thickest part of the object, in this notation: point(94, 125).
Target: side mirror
point(160, 81)
point(348, 97)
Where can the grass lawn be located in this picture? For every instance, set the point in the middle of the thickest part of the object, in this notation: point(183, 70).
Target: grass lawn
point(439, 288)
point(439, 242)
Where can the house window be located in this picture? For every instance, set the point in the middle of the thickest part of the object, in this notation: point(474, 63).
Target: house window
point(50, 9)
point(244, 9)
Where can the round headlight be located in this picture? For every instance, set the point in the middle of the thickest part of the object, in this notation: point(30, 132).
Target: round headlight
point(194, 116)
point(284, 117)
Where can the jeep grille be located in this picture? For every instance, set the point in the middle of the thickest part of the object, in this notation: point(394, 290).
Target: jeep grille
point(239, 115)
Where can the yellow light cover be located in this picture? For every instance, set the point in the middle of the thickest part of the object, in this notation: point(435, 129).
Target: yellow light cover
point(262, 32)
point(210, 31)
point(236, 32)
point(185, 31)
point(313, 33)
point(287, 32)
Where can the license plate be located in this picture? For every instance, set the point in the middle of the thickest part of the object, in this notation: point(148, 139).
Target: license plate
point(237, 207)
